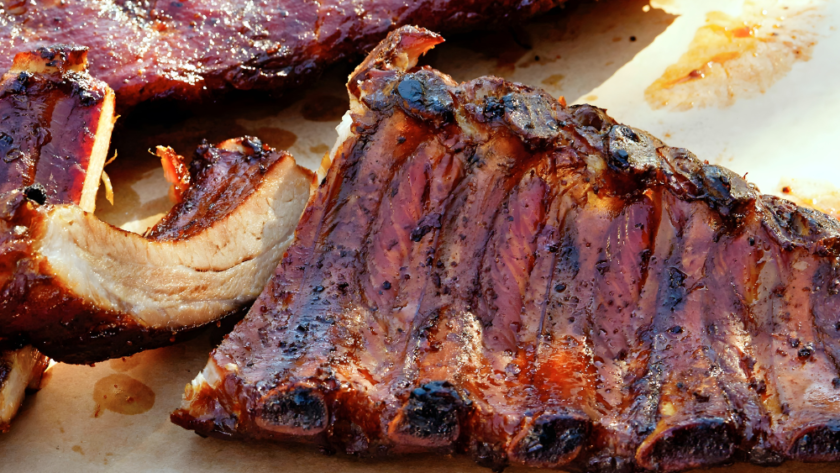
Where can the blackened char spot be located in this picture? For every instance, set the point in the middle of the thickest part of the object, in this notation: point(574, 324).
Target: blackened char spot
point(425, 96)
point(36, 193)
point(432, 412)
point(493, 108)
point(705, 442)
point(552, 439)
point(818, 444)
point(299, 408)
point(424, 226)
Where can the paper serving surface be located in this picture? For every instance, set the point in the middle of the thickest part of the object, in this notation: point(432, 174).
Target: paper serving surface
point(766, 108)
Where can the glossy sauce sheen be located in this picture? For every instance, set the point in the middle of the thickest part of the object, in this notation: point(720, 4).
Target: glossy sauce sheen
point(487, 271)
point(147, 49)
point(48, 126)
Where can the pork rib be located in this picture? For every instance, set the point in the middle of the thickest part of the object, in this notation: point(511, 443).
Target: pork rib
point(83, 291)
point(147, 49)
point(486, 270)
point(56, 125)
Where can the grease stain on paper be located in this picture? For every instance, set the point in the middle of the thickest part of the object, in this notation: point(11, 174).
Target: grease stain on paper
point(277, 138)
point(324, 108)
point(736, 57)
point(122, 394)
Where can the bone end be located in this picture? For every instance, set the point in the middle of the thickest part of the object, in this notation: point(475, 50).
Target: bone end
point(692, 444)
point(298, 410)
point(551, 440)
point(430, 418)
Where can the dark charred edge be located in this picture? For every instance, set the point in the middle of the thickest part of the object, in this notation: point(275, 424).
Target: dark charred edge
point(431, 417)
point(390, 54)
point(299, 410)
point(639, 160)
point(552, 440)
point(61, 56)
point(224, 429)
point(115, 338)
point(87, 90)
point(697, 443)
point(793, 226)
point(817, 443)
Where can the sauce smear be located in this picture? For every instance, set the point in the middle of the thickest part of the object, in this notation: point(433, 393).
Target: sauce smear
point(734, 57)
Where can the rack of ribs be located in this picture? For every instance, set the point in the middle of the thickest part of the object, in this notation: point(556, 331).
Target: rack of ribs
point(80, 290)
point(149, 49)
point(486, 270)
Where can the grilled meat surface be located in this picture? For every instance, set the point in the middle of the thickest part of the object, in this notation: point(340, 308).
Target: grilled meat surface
point(146, 49)
point(83, 291)
point(55, 125)
point(485, 270)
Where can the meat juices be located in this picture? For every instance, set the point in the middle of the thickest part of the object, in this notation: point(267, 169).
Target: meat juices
point(485, 270)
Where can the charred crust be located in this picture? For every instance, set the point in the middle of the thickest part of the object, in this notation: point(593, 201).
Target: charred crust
point(702, 442)
point(300, 409)
point(432, 414)
point(820, 443)
point(62, 56)
point(36, 193)
point(425, 96)
point(214, 174)
point(530, 113)
point(552, 440)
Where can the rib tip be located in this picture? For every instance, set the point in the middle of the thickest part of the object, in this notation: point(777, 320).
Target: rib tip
point(694, 443)
point(817, 443)
point(430, 418)
point(293, 410)
point(551, 440)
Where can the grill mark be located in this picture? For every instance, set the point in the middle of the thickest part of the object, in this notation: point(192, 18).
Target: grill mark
point(805, 375)
point(442, 360)
point(728, 267)
point(614, 336)
point(692, 427)
point(502, 397)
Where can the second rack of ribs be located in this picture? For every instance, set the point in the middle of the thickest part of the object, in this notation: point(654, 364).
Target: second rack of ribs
point(486, 270)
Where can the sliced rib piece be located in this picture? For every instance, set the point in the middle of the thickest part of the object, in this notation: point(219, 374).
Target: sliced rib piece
point(82, 291)
point(55, 127)
point(486, 270)
point(20, 371)
point(153, 49)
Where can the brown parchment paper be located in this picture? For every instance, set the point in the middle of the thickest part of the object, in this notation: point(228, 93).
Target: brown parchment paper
point(780, 126)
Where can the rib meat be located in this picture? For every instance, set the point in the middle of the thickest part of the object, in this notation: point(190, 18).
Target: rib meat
point(56, 124)
point(486, 270)
point(146, 49)
point(83, 291)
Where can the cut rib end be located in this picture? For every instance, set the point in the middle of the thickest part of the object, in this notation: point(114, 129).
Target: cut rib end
point(296, 410)
point(690, 444)
point(551, 440)
point(817, 443)
point(430, 418)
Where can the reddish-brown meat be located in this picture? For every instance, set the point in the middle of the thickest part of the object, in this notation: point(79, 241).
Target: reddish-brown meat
point(146, 49)
point(82, 291)
point(485, 270)
point(55, 124)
